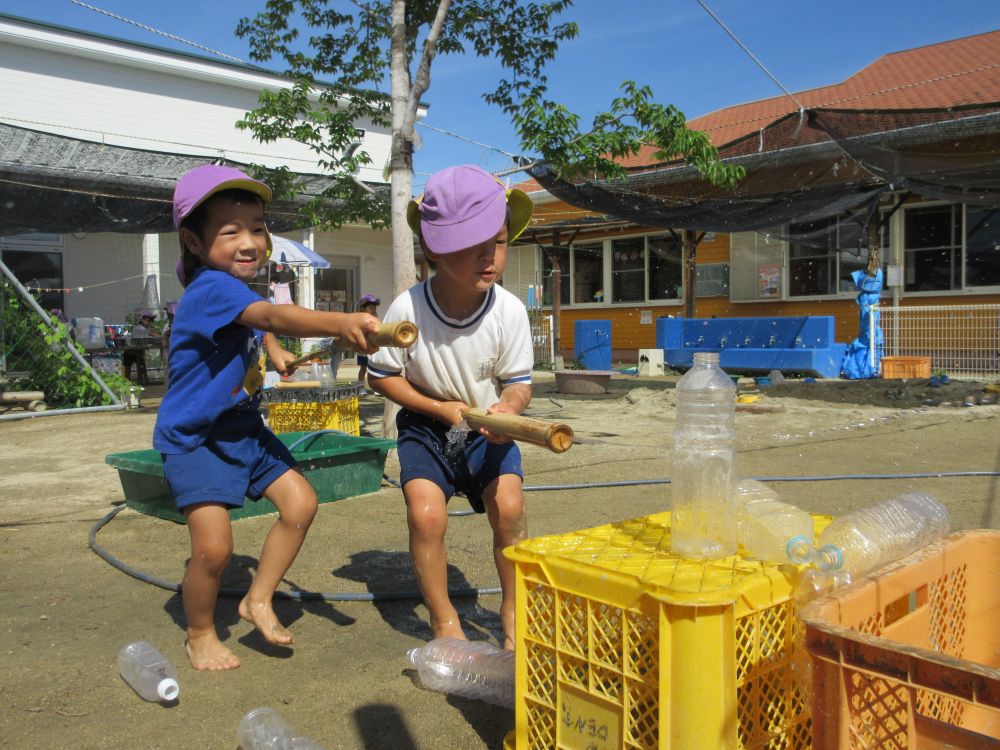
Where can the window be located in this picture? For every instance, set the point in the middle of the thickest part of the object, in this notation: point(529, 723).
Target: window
point(823, 254)
point(562, 255)
point(628, 270)
point(982, 247)
point(336, 289)
point(623, 270)
point(588, 273)
point(39, 270)
point(665, 269)
point(932, 248)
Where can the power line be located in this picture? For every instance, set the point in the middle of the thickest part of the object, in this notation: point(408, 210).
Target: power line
point(750, 54)
point(153, 30)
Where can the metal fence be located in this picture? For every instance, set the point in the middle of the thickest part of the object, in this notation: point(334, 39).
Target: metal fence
point(962, 340)
point(541, 338)
point(43, 370)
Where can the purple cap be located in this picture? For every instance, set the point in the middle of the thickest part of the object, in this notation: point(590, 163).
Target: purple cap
point(369, 299)
point(201, 183)
point(145, 312)
point(463, 206)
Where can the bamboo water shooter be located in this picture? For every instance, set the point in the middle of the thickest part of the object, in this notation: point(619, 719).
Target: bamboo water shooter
point(401, 333)
point(552, 435)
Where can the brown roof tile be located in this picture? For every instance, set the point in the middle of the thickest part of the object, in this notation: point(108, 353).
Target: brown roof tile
point(955, 72)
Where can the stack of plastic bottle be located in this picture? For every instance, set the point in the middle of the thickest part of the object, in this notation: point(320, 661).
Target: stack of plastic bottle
point(148, 672)
point(471, 669)
point(867, 539)
point(769, 529)
point(703, 482)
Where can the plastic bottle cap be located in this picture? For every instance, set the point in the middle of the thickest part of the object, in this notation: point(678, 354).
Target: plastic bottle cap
point(168, 689)
point(829, 557)
point(799, 549)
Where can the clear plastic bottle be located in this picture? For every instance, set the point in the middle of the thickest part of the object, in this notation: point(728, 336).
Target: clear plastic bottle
point(869, 538)
point(264, 729)
point(148, 671)
point(471, 669)
point(703, 520)
point(769, 529)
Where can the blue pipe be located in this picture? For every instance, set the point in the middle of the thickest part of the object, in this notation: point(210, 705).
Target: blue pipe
point(380, 596)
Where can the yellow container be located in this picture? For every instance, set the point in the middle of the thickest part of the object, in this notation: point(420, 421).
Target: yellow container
point(623, 645)
point(303, 416)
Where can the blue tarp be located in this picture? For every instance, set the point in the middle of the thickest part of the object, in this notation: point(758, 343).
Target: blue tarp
point(863, 358)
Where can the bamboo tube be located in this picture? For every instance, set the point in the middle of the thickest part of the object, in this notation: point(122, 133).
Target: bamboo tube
point(552, 435)
point(401, 333)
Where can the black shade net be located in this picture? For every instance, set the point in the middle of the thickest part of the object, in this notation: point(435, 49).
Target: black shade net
point(808, 167)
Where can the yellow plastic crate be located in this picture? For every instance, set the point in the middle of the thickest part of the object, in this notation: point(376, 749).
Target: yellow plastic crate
point(621, 645)
point(303, 416)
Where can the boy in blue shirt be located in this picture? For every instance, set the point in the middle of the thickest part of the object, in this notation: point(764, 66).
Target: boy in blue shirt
point(215, 447)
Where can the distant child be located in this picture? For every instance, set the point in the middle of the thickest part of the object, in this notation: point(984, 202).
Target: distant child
point(368, 303)
point(215, 447)
point(474, 349)
point(137, 357)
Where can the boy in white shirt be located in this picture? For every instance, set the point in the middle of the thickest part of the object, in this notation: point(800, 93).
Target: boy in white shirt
point(474, 349)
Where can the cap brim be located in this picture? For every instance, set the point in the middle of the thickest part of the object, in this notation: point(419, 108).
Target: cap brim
point(521, 209)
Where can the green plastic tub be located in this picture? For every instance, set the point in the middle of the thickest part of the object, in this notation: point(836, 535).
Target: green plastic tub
point(338, 466)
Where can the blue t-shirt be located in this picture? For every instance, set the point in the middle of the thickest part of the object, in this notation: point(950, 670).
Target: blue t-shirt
point(215, 363)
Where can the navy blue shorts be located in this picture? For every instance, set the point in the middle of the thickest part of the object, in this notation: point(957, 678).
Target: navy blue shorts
point(239, 458)
point(465, 467)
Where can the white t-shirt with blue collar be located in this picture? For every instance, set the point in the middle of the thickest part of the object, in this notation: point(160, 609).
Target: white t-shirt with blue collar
point(468, 360)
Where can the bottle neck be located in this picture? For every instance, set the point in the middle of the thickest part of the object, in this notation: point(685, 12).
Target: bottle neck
point(706, 359)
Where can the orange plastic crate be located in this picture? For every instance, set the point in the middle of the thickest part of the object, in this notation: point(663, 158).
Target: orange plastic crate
point(909, 657)
point(906, 367)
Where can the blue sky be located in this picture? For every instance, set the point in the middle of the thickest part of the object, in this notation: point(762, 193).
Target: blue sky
point(674, 46)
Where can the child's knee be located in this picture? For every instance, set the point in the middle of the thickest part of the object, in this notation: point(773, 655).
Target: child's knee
point(510, 508)
point(212, 555)
point(427, 518)
point(301, 510)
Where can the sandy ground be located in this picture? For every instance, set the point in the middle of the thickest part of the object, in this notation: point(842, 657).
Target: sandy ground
point(346, 683)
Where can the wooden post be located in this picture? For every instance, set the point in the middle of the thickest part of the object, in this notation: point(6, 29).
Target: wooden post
point(690, 271)
point(556, 306)
point(874, 246)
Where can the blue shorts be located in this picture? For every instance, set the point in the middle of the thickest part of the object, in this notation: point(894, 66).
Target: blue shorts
point(467, 467)
point(239, 458)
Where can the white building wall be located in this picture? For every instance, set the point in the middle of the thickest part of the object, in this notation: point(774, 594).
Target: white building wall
point(101, 91)
point(114, 261)
point(373, 250)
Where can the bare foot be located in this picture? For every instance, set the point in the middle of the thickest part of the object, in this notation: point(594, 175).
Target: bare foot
point(450, 628)
point(262, 617)
point(207, 653)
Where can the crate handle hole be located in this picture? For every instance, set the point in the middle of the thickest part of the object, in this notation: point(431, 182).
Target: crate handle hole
point(907, 604)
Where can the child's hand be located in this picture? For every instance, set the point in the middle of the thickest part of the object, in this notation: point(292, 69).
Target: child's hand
point(450, 412)
point(354, 331)
point(281, 358)
point(501, 407)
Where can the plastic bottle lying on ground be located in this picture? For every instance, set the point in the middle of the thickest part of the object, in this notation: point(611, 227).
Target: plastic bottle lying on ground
point(769, 529)
point(866, 539)
point(264, 729)
point(471, 669)
point(148, 672)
